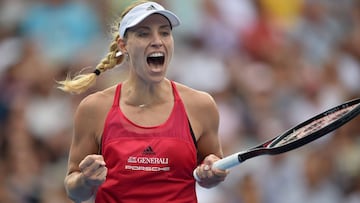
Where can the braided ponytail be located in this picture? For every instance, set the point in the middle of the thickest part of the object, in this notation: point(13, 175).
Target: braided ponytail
point(82, 82)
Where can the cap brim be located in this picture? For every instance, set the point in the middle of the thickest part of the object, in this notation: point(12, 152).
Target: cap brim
point(173, 19)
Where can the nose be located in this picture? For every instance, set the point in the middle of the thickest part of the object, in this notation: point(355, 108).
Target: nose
point(156, 41)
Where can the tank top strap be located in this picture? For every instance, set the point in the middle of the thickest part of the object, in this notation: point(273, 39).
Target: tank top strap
point(178, 100)
point(175, 92)
point(117, 95)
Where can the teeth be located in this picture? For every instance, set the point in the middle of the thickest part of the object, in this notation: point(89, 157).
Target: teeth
point(156, 54)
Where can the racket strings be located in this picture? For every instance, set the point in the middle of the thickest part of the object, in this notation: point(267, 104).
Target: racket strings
point(315, 125)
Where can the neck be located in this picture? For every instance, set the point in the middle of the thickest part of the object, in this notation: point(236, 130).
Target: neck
point(145, 95)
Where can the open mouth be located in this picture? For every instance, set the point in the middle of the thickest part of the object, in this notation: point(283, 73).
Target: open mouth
point(157, 58)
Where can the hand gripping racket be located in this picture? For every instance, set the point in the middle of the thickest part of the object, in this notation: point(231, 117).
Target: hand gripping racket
point(297, 136)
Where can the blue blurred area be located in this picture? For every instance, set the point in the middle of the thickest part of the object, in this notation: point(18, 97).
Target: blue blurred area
point(268, 64)
point(61, 30)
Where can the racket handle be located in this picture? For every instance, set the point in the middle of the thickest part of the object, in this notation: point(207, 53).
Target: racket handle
point(223, 164)
point(227, 162)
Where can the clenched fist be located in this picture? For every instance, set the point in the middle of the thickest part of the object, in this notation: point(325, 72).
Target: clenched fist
point(93, 169)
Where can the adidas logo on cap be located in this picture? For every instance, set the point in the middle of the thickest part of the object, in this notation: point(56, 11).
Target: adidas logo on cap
point(152, 7)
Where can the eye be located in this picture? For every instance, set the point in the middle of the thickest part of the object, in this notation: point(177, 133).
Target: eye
point(165, 33)
point(142, 34)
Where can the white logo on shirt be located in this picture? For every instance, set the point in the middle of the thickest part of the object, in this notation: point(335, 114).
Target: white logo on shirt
point(146, 163)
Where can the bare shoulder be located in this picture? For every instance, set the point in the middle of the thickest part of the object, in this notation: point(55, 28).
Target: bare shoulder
point(193, 98)
point(98, 101)
point(93, 109)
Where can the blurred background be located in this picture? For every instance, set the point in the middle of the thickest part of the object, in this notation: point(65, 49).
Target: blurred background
point(269, 64)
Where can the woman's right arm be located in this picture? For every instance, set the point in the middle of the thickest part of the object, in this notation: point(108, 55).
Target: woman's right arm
point(86, 169)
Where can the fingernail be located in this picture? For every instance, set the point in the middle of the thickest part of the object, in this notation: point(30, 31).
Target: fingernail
point(206, 167)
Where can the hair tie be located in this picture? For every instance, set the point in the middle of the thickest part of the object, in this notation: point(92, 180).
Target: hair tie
point(97, 72)
point(119, 53)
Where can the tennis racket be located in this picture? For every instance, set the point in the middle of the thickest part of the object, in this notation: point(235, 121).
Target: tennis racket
point(297, 136)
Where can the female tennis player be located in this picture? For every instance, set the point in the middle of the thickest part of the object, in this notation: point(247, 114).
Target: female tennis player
point(140, 140)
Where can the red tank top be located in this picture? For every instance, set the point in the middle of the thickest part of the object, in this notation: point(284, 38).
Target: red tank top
point(148, 164)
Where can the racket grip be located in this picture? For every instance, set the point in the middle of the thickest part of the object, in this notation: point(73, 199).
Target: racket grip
point(227, 162)
point(223, 164)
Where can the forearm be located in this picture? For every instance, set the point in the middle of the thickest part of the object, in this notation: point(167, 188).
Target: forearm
point(76, 187)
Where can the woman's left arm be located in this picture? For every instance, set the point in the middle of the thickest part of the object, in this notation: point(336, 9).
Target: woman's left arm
point(209, 146)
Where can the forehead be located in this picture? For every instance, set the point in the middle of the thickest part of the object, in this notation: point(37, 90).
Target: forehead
point(154, 19)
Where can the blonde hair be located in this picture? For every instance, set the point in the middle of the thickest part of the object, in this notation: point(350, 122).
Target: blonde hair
point(82, 82)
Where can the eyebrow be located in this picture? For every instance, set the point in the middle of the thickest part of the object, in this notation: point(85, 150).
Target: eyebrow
point(148, 28)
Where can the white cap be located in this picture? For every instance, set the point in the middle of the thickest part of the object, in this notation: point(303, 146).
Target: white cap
point(142, 11)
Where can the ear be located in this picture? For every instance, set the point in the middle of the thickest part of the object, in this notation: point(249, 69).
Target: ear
point(121, 43)
point(120, 56)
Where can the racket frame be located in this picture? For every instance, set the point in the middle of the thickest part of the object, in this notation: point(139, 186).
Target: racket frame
point(267, 147)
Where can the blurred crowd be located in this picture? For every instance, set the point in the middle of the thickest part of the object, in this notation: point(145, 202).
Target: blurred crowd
point(269, 64)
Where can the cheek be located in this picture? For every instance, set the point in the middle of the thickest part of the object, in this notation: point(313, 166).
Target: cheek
point(170, 55)
point(136, 54)
point(170, 50)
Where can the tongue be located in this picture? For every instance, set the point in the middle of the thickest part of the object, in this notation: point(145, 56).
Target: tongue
point(155, 67)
